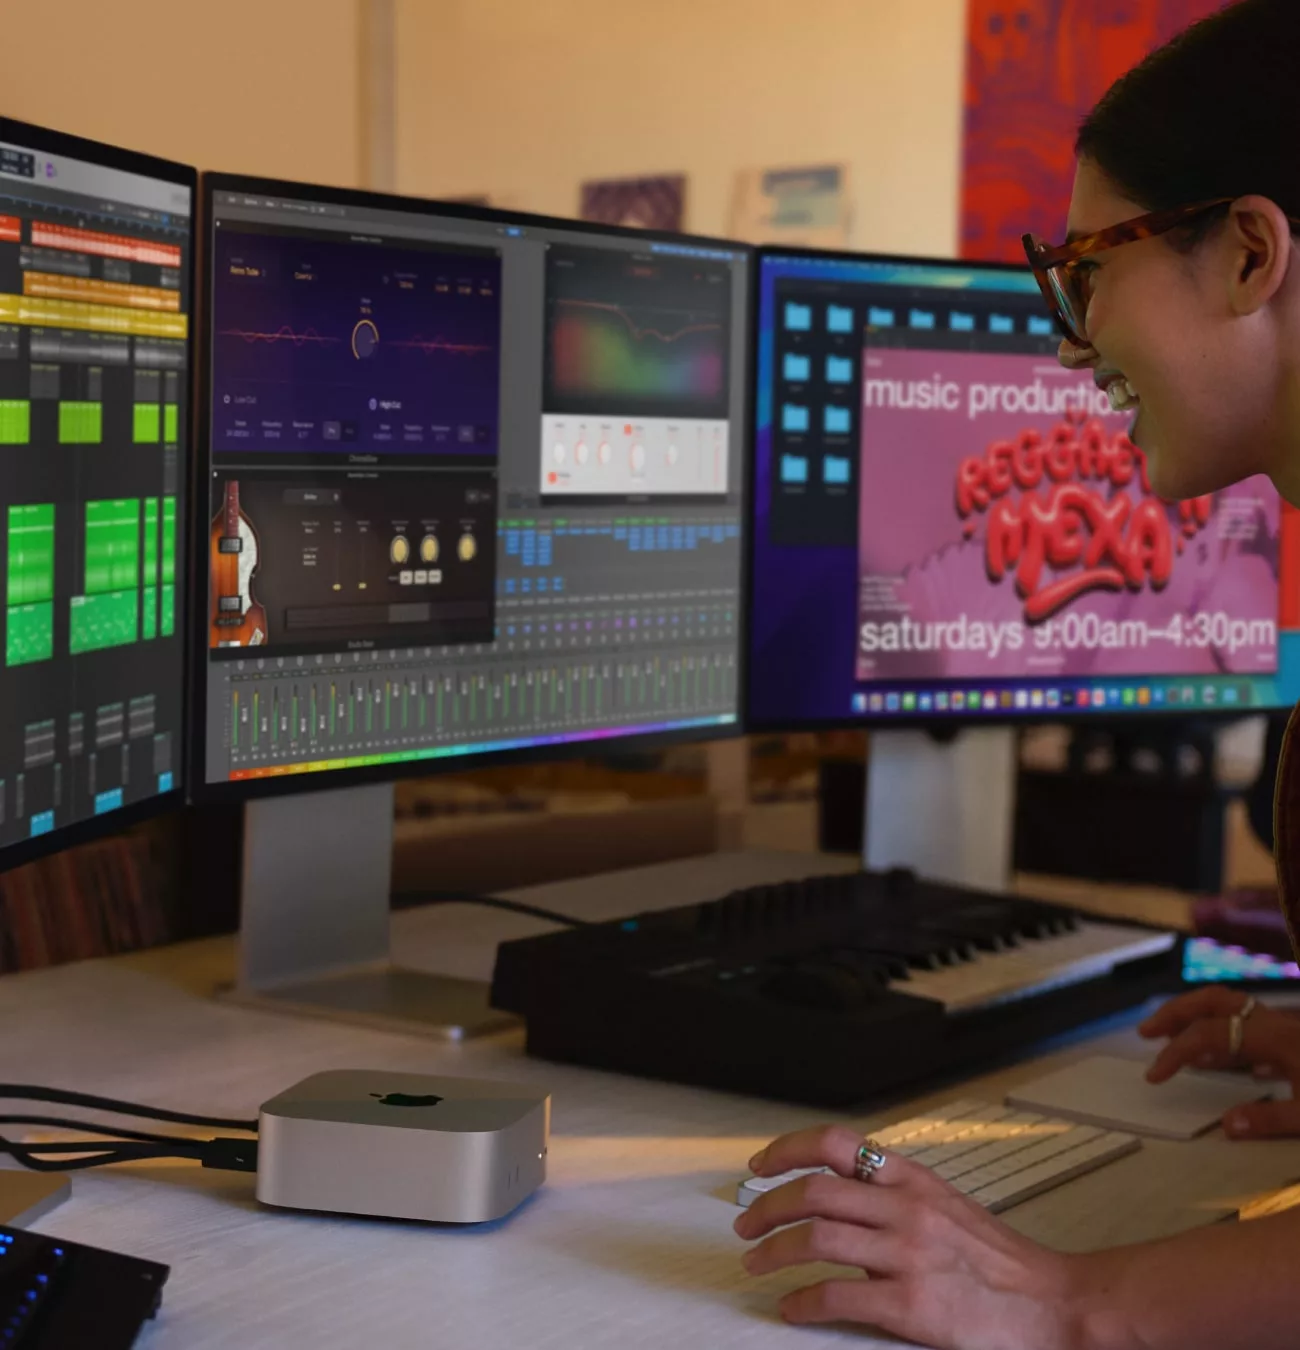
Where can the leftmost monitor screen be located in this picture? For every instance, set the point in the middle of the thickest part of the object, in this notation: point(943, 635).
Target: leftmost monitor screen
point(95, 292)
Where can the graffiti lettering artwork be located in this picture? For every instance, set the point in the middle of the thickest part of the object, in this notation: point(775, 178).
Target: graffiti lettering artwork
point(1008, 527)
point(1076, 526)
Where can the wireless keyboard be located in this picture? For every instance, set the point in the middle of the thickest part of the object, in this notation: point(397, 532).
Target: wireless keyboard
point(995, 1154)
point(827, 991)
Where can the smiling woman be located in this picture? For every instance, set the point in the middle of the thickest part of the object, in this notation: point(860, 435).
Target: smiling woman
point(1180, 291)
point(1175, 285)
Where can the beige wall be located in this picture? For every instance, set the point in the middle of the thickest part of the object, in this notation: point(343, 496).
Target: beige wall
point(255, 86)
point(525, 98)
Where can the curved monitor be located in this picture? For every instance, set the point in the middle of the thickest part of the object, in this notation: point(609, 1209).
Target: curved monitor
point(948, 525)
point(474, 486)
point(96, 264)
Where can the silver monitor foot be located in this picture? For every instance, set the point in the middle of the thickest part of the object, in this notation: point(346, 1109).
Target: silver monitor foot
point(315, 918)
point(944, 810)
point(391, 999)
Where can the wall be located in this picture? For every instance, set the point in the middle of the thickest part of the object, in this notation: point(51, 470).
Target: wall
point(256, 86)
point(525, 98)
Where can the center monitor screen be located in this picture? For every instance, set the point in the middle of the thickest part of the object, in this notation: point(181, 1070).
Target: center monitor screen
point(949, 522)
point(474, 483)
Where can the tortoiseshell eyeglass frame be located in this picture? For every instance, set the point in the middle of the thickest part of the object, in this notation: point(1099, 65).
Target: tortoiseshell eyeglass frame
point(1054, 267)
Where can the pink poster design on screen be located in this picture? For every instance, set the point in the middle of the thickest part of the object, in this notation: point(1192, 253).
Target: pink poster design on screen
point(1007, 529)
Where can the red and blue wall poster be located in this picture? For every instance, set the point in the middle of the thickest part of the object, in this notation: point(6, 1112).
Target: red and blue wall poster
point(1034, 69)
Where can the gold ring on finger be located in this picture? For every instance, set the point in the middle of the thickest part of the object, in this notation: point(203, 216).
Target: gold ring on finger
point(1237, 1026)
point(1236, 1033)
point(870, 1159)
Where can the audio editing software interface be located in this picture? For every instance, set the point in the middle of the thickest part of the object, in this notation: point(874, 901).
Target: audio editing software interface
point(94, 314)
point(473, 485)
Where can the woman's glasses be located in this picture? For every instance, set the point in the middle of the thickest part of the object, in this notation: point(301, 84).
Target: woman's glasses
point(1064, 274)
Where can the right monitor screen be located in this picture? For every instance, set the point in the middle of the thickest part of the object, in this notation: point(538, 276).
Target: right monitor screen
point(950, 524)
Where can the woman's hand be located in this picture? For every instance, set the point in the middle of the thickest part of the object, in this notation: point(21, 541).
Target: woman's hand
point(942, 1270)
point(1197, 1028)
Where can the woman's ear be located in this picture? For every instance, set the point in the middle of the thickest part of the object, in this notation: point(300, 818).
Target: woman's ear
point(1259, 249)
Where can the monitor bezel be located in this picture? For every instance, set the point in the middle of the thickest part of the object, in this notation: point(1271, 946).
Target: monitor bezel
point(200, 791)
point(940, 723)
point(50, 141)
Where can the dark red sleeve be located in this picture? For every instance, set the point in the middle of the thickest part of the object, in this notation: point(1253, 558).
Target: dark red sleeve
point(1286, 829)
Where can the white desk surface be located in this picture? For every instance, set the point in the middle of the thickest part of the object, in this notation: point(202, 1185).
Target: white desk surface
point(629, 1244)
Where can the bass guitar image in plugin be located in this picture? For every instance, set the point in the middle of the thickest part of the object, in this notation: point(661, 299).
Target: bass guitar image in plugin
point(237, 619)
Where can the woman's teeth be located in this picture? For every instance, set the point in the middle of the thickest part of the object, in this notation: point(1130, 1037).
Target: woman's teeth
point(1121, 395)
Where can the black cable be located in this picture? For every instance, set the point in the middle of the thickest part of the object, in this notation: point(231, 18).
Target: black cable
point(113, 1132)
point(35, 1164)
point(61, 1097)
point(123, 1149)
point(28, 1155)
point(120, 1144)
point(235, 1155)
point(494, 902)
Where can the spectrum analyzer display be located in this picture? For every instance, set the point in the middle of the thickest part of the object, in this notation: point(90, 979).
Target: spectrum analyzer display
point(638, 357)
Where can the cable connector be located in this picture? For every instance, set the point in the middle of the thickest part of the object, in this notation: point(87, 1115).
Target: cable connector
point(230, 1155)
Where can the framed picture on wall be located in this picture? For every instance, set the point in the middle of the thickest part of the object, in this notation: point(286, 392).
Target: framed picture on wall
point(657, 203)
point(806, 207)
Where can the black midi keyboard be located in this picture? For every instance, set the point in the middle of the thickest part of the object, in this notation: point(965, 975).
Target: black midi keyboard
point(826, 991)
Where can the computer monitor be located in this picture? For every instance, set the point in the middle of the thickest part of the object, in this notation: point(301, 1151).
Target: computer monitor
point(95, 327)
point(952, 531)
point(474, 492)
point(951, 528)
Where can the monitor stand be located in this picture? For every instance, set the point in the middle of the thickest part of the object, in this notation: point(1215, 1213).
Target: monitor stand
point(315, 917)
point(942, 807)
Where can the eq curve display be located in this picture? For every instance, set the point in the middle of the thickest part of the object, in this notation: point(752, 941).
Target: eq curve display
point(322, 344)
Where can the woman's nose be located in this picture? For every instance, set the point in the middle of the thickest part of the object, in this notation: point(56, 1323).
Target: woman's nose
point(1074, 357)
